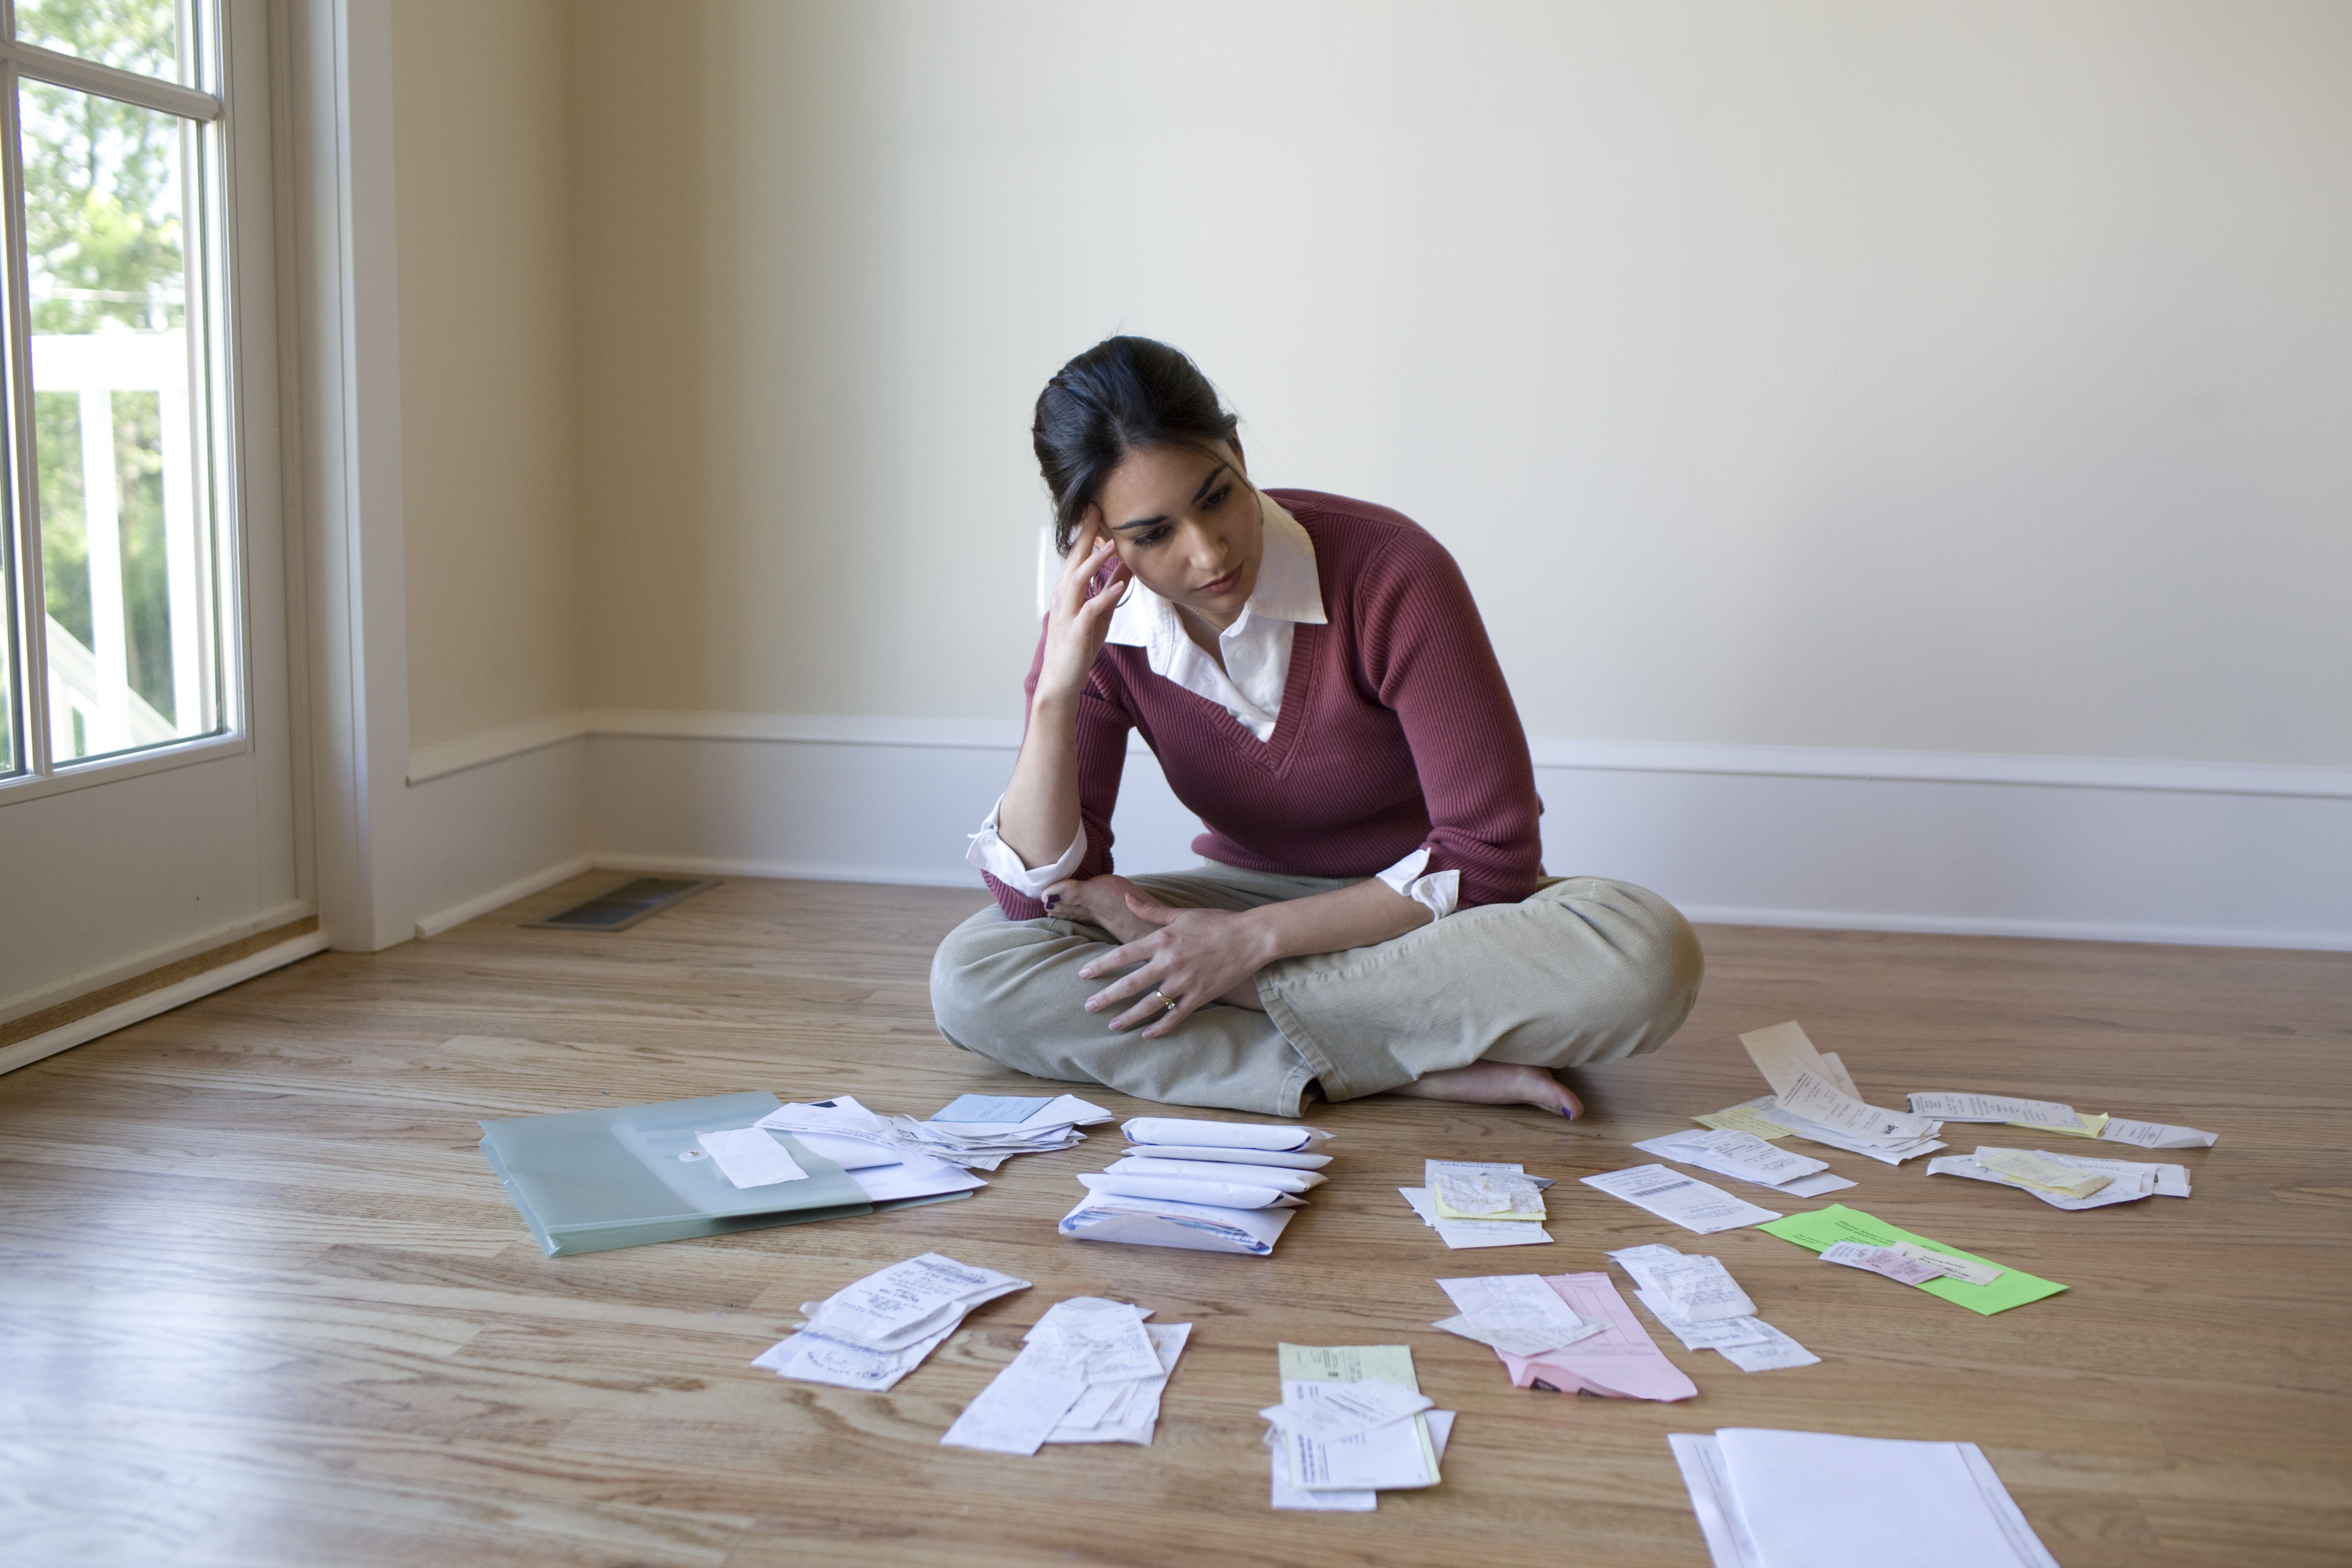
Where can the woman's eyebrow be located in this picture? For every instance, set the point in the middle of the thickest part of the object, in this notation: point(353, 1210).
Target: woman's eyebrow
point(1148, 522)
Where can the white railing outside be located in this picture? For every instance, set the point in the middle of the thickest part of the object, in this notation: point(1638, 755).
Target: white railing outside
point(93, 682)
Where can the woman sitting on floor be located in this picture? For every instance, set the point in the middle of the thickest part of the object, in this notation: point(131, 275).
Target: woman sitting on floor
point(1313, 676)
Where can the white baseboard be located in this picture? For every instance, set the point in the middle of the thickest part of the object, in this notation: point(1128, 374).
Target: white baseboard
point(2094, 848)
point(138, 1009)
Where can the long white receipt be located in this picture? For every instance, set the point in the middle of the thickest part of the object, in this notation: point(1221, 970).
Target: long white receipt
point(1685, 1200)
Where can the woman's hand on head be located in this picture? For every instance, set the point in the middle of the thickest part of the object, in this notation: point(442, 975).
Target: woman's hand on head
point(1194, 958)
point(1077, 616)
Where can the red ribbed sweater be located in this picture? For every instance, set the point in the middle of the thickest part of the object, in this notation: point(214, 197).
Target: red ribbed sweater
point(1397, 730)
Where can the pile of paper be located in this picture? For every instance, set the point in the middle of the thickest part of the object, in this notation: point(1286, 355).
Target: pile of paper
point(872, 1334)
point(1814, 1098)
point(1617, 1361)
point(1004, 1127)
point(2048, 1116)
point(1505, 1205)
point(1745, 1157)
point(1091, 1371)
point(2045, 1174)
point(1514, 1312)
point(1816, 1500)
point(1701, 1305)
point(1685, 1200)
point(1209, 1186)
point(1352, 1424)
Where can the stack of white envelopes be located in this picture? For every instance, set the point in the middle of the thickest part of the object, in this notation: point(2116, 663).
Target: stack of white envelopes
point(1817, 1499)
point(856, 1138)
point(872, 1334)
point(2067, 1181)
point(1701, 1305)
point(1091, 1371)
point(1209, 1186)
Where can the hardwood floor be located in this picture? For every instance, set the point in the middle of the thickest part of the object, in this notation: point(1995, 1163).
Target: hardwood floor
point(265, 1303)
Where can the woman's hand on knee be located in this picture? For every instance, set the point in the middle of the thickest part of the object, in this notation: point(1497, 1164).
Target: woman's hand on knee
point(1194, 958)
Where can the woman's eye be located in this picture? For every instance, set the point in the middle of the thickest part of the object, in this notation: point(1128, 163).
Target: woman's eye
point(1153, 537)
point(1214, 501)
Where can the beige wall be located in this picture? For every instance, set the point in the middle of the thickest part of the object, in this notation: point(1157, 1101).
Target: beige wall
point(1969, 376)
point(486, 346)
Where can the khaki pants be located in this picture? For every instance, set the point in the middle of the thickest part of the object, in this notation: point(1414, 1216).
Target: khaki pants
point(1582, 970)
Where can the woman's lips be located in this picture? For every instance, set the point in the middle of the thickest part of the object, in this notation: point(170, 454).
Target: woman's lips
point(1224, 584)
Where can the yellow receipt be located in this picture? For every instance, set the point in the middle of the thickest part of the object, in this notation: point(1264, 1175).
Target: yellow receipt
point(1739, 1119)
point(2040, 1171)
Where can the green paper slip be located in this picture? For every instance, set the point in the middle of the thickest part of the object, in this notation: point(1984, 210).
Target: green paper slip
point(1824, 1228)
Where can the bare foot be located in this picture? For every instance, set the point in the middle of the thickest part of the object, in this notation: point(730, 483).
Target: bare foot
point(1497, 1083)
point(1099, 901)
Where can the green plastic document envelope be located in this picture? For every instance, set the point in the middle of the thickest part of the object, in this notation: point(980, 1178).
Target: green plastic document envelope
point(1826, 1227)
point(587, 1181)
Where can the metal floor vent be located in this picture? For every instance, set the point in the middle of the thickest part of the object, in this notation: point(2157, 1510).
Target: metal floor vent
point(626, 905)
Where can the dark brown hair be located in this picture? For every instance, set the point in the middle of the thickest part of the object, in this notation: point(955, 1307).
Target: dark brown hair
point(1119, 395)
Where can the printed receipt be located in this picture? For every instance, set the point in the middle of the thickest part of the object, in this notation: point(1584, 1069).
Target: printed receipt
point(1690, 1203)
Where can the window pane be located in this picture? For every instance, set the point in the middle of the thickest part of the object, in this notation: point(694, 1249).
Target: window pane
point(133, 35)
point(126, 545)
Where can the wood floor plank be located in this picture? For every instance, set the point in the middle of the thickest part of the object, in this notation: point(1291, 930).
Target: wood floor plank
point(267, 1304)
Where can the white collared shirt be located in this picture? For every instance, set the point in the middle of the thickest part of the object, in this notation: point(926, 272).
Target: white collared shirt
point(1256, 650)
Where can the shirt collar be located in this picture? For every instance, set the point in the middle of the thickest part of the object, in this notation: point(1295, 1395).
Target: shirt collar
point(1289, 587)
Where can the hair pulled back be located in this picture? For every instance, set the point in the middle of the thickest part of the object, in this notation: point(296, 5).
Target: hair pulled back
point(1121, 394)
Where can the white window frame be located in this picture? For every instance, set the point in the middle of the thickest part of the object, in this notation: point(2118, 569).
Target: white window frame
point(200, 102)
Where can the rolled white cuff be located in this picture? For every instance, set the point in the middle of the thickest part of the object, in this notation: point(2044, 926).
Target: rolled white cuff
point(1439, 892)
point(995, 856)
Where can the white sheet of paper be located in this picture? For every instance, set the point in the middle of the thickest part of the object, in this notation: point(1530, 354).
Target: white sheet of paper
point(1701, 1290)
point(1018, 1411)
point(1385, 1457)
point(1685, 1200)
point(1808, 1087)
point(1885, 1260)
point(1700, 1459)
point(913, 1178)
point(1777, 1353)
point(1516, 1312)
point(747, 1157)
point(1941, 1501)
point(1126, 1412)
point(1099, 1340)
point(1340, 1410)
point(907, 1302)
point(1462, 1233)
point(1715, 1336)
point(1809, 1186)
point(812, 1358)
point(1769, 1109)
point(1441, 1427)
point(2156, 1135)
point(1955, 1107)
point(1745, 1155)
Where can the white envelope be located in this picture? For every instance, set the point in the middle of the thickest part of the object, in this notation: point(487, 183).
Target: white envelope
point(1184, 1190)
point(1196, 1228)
point(1220, 1134)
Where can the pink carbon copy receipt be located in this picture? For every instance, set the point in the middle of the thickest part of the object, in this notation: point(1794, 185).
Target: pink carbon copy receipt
point(1620, 1362)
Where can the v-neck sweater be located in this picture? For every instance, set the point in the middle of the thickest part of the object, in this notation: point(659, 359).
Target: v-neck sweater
point(1397, 730)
